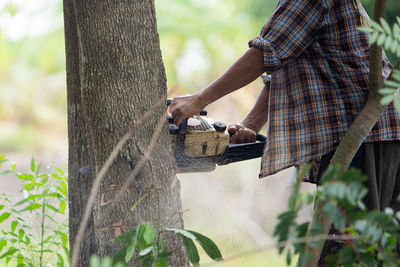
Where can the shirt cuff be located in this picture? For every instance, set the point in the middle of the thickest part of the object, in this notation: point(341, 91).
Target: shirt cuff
point(271, 61)
point(266, 79)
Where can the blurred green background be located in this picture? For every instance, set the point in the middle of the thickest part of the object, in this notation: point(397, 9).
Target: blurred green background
point(199, 40)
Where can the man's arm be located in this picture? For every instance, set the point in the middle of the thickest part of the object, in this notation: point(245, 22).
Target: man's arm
point(245, 70)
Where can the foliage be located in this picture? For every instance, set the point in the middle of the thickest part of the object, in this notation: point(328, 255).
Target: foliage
point(392, 11)
point(35, 236)
point(389, 38)
point(372, 234)
point(146, 245)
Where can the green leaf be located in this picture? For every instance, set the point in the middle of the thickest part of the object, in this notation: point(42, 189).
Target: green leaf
point(182, 232)
point(11, 251)
point(149, 233)
point(2, 206)
point(130, 251)
point(32, 207)
point(3, 243)
point(63, 206)
point(386, 26)
point(394, 46)
point(381, 39)
point(288, 257)
point(94, 261)
point(387, 99)
point(146, 261)
point(60, 261)
point(191, 250)
point(33, 164)
point(208, 245)
point(20, 260)
point(373, 38)
point(52, 208)
point(4, 216)
point(126, 236)
point(376, 26)
point(37, 171)
point(396, 75)
point(13, 225)
point(30, 197)
point(107, 262)
point(119, 257)
point(387, 91)
point(397, 102)
point(21, 234)
point(393, 84)
point(365, 29)
point(161, 262)
point(388, 42)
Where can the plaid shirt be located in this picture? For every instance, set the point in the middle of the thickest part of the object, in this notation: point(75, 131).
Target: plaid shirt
point(318, 68)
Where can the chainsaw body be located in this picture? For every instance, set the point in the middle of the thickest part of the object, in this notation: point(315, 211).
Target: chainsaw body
point(200, 143)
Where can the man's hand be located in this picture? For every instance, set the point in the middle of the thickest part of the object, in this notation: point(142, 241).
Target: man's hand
point(185, 106)
point(241, 133)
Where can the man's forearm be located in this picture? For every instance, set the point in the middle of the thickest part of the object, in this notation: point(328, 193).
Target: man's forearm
point(258, 116)
point(245, 70)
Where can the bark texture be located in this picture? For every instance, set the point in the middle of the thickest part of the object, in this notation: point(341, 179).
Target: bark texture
point(121, 75)
point(79, 152)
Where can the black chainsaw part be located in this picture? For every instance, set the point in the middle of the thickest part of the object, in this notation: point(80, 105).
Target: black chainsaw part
point(169, 101)
point(170, 119)
point(239, 152)
point(203, 112)
point(219, 126)
point(173, 129)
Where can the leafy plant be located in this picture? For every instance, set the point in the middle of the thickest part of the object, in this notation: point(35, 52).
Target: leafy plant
point(389, 38)
point(35, 237)
point(372, 235)
point(147, 246)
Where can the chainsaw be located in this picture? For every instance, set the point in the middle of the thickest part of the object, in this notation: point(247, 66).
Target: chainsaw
point(200, 143)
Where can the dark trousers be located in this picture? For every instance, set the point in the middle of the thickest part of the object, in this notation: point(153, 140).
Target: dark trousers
point(380, 162)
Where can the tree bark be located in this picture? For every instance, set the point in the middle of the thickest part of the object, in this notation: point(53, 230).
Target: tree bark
point(121, 76)
point(79, 151)
point(353, 139)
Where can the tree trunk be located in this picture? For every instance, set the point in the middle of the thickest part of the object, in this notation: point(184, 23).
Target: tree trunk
point(121, 77)
point(79, 153)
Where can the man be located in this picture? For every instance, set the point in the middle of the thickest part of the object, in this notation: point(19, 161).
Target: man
point(317, 83)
